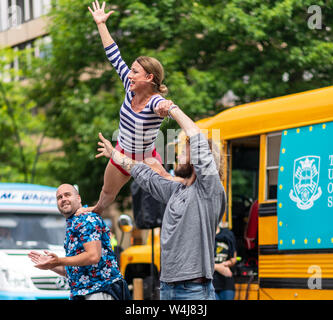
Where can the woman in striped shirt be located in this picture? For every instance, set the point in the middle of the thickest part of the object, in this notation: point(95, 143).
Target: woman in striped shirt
point(140, 119)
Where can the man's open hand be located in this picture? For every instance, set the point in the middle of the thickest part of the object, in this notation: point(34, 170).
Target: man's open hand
point(106, 147)
point(45, 261)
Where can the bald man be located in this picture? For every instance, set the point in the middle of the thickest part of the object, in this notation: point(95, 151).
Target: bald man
point(90, 264)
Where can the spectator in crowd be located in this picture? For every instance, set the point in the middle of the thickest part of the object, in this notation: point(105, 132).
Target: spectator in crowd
point(225, 258)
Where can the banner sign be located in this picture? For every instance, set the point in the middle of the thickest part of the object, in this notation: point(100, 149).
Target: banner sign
point(24, 197)
point(305, 188)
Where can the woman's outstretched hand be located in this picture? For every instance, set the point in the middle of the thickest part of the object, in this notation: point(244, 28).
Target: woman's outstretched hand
point(106, 147)
point(98, 13)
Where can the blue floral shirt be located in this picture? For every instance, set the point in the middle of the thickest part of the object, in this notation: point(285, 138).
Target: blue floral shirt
point(93, 278)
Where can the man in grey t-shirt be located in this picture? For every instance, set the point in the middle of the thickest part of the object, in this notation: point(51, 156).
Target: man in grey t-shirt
point(193, 211)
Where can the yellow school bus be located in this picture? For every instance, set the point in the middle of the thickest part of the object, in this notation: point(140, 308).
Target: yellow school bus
point(279, 156)
point(280, 152)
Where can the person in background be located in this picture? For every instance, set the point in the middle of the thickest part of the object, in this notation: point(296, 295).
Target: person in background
point(113, 238)
point(225, 258)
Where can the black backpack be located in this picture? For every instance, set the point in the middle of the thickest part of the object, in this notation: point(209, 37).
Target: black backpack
point(148, 212)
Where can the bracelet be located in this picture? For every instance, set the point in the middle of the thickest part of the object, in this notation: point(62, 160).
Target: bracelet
point(173, 106)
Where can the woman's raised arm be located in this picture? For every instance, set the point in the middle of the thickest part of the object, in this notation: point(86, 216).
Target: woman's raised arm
point(100, 18)
point(111, 49)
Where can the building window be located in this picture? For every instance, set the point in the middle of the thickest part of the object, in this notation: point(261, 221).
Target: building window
point(39, 48)
point(15, 12)
point(43, 47)
point(26, 9)
point(3, 15)
point(21, 61)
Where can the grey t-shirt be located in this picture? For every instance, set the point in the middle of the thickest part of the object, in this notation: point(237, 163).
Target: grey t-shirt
point(191, 215)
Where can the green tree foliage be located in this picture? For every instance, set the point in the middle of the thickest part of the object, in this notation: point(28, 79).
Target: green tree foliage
point(259, 49)
point(22, 125)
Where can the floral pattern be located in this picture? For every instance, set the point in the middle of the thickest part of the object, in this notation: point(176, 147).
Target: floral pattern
point(89, 279)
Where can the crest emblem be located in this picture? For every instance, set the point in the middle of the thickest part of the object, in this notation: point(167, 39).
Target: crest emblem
point(62, 283)
point(305, 182)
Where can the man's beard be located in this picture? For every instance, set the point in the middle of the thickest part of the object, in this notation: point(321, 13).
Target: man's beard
point(68, 211)
point(184, 171)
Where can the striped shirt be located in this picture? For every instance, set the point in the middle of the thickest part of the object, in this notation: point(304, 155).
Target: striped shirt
point(137, 130)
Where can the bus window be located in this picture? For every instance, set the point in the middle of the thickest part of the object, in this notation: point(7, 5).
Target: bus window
point(272, 167)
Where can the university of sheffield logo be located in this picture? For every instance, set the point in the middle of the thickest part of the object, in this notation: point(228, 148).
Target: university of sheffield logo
point(305, 182)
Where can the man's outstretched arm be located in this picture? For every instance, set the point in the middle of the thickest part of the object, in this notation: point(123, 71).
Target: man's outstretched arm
point(40, 260)
point(202, 159)
point(50, 261)
point(160, 188)
point(184, 121)
point(107, 150)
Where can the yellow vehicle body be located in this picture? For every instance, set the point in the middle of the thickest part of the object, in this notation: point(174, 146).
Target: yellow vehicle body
point(282, 274)
point(139, 254)
point(300, 109)
point(136, 261)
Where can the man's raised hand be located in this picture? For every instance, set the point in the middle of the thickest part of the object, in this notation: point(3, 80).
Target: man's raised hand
point(106, 147)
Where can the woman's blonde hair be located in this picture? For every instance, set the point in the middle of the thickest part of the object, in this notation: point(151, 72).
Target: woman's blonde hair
point(218, 157)
point(154, 67)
